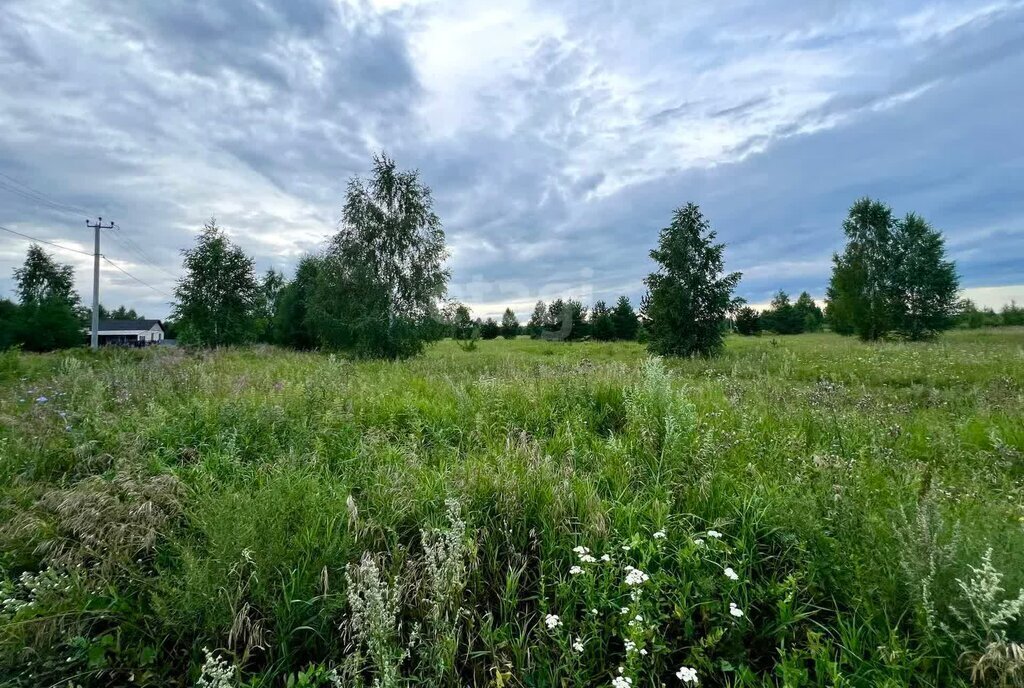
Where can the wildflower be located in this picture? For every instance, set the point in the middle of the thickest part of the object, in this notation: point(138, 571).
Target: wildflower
point(622, 682)
point(552, 621)
point(699, 542)
point(687, 675)
point(715, 534)
point(735, 611)
point(42, 400)
point(730, 574)
point(660, 535)
point(594, 612)
point(624, 610)
point(635, 576)
point(587, 559)
point(577, 645)
point(643, 651)
point(630, 646)
point(626, 548)
point(575, 570)
point(581, 550)
point(605, 557)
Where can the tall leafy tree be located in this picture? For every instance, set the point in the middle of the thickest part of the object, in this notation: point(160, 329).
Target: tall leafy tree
point(47, 317)
point(509, 324)
point(291, 325)
point(8, 324)
point(748, 321)
point(490, 329)
point(625, 320)
point(537, 321)
point(602, 327)
point(925, 284)
point(555, 316)
point(862, 276)
point(268, 298)
point(782, 317)
point(689, 296)
point(216, 299)
point(810, 314)
point(384, 270)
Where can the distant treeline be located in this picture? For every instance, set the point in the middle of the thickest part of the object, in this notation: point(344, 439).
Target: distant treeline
point(379, 289)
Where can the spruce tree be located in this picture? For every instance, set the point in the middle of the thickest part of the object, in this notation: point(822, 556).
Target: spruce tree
point(624, 319)
point(810, 314)
point(602, 327)
point(689, 297)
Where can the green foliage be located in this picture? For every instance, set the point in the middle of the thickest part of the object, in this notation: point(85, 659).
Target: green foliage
point(813, 318)
point(315, 521)
point(42, 279)
point(925, 284)
point(892, 277)
point(861, 276)
point(490, 329)
point(624, 319)
point(382, 275)
point(689, 297)
point(748, 321)
point(268, 299)
point(509, 325)
point(8, 324)
point(783, 317)
point(216, 299)
point(537, 320)
point(602, 326)
point(291, 325)
point(47, 316)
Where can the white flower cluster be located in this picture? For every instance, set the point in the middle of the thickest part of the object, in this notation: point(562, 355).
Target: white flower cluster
point(584, 554)
point(552, 621)
point(575, 570)
point(730, 574)
point(621, 681)
point(577, 644)
point(715, 534)
point(687, 675)
point(217, 673)
point(635, 576)
point(660, 535)
point(735, 611)
point(29, 587)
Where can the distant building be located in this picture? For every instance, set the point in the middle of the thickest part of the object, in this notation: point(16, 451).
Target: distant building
point(129, 332)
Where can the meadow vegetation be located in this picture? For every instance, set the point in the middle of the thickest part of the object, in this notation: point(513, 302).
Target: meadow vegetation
point(803, 511)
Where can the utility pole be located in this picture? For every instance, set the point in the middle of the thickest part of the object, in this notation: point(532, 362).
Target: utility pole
point(94, 339)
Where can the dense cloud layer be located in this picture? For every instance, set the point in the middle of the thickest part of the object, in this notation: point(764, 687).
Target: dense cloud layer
point(557, 136)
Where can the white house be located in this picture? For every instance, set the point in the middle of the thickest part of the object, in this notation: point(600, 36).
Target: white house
point(129, 332)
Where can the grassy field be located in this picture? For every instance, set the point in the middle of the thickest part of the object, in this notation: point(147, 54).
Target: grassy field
point(805, 510)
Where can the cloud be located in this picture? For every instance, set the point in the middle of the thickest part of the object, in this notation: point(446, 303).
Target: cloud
point(557, 137)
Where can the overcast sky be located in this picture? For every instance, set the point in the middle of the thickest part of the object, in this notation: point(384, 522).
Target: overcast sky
point(557, 135)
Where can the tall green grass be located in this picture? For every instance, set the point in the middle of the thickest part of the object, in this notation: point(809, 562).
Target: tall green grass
point(299, 519)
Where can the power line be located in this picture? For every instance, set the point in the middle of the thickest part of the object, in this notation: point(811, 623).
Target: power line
point(130, 246)
point(86, 253)
point(28, 193)
point(44, 241)
point(125, 272)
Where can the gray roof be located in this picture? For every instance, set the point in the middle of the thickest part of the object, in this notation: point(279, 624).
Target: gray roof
point(128, 325)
